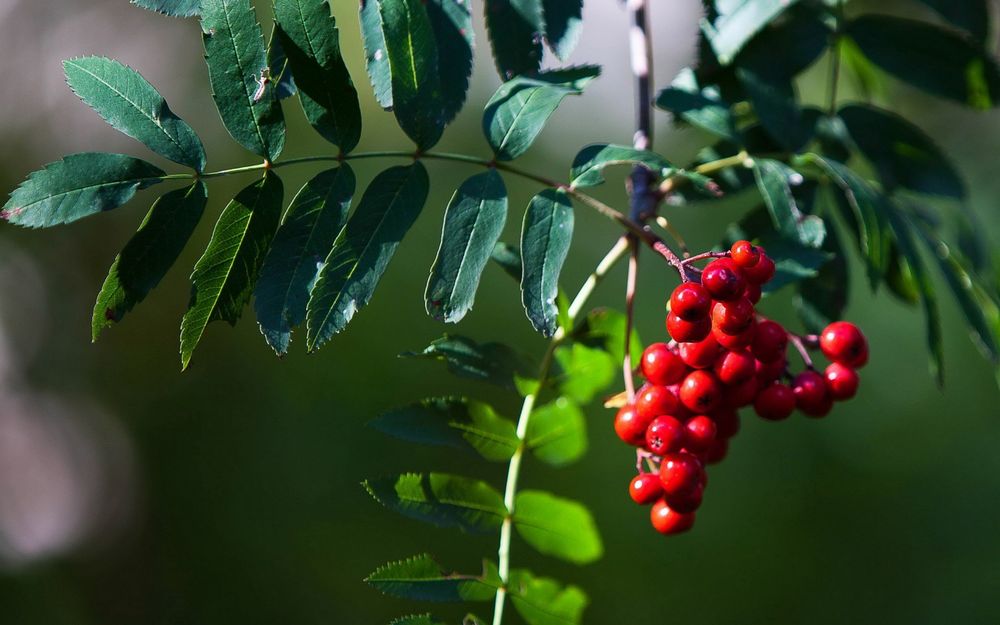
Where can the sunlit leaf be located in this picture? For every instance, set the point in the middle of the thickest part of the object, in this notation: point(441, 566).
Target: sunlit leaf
point(589, 163)
point(738, 25)
point(422, 579)
point(543, 601)
point(557, 527)
point(557, 432)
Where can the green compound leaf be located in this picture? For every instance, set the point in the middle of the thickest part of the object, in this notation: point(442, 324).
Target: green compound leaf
point(224, 276)
point(173, 8)
point(584, 371)
point(473, 223)
point(901, 153)
point(517, 112)
point(490, 362)
point(545, 239)
point(78, 186)
point(932, 58)
point(240, 76)
point(557, 432)
point(738, 24)
point(544, 601)
point(149, 254)
point(442, 500)
point(700, 107)
point(313, 219)
point(124, 99)
point(308, 34)
point(589, 163)
point(557, 527)
point(376, 59)
point(515, 31)
point(563, 24)
point(422, 579)
point(452, 24)
point(774, 180)
point(453, 422)
point(363, 250)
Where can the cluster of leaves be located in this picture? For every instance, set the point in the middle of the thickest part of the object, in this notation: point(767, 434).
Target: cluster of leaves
point(853, 170)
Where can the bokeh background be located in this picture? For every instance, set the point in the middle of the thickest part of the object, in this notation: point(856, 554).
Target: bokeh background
point(133, 493)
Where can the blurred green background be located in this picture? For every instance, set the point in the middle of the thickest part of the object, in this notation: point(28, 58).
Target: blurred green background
point(132, 493)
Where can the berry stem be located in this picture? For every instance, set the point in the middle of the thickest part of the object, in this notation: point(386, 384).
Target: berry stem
point(703, 256)
point(630, 285)
point(800, 347)
point(668, 227)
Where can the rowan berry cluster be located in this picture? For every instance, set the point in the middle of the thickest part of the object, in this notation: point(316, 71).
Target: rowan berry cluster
point(723, 356)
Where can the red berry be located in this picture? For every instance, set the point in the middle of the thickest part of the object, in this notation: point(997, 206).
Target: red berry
point(645, 488)
point(774, 403)
point(700, 355)
point(841, 381)
point(700, 391)
point(769, 342)
point(686, 502)
point(741, 394)
point(665, 435)
point(727, 423)
point(653, 401)
point(843, 342)
point(680, 473)
point(690, 301)
point(630, 427)
point(687, 331)
point(734, 367)
point(762, 272)
point(700, 433)
point(732, 317)
point(660, 365)
point(723, 280)
point(744, 254)
point(668, 521)
point(768, 372)
point(717, 451)
point(736, 341)
point(752, 293)
point(811, 396)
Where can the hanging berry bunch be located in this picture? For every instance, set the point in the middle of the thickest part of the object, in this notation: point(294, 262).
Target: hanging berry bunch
point(723, 356)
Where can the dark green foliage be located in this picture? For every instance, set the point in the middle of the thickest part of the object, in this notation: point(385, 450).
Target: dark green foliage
point(515, 29)
point(490, 362)
point(563, 23)
point(173, 8)
point(700, 107)
point(443, 500)
point(421, 578)
point(545, 238)
point(452, 25)
point(591, 161)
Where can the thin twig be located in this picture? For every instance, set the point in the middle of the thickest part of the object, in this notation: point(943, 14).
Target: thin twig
point(630, 284)
point(668, 227)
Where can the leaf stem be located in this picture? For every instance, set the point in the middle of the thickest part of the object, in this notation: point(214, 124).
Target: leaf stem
point(835, 62)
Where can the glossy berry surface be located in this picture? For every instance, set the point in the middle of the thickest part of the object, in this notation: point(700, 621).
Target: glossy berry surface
point(723, 280)
point(699, 433)
point(665, 435)
point(690, 301)
point(700, 391)
point(680, 473)
point(668, 521)
point(732, 317)
point(645, 488)
point(700, 355)
point(686, 502)
point(744, 254)
point(684, 331)
point(630, 427)
point(653, 401)
point(661, 366)
point(775, 403)
point(842, 342)
point(811, 396)
point(841, 381)
point(769, 342)
point(735, 367)
point(760, 273)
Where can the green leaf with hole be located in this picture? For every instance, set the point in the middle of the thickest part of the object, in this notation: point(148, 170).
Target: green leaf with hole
point(78, 186)
point(700, 107)
point(453, 32)
point(545, 239)
point(563, 25)
point(473, 222)
point(453, 422)
point(308, 34)
point(589, 163)
point(224, 276)
point(515, 30)
point(544, 601)
point(490, 362)
point(149, 254)
point(363, 249)
point(310, 227)
point(240, 76)
point(422, 579)
point(557, 432)
point(124, 99)
point(443, 500)
point(173, 8)
point(739, 23)
point(774, 181)
point(557, 527)
point(517, 112)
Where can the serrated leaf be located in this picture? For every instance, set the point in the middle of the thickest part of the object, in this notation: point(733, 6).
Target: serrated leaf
point(557, 432)
point(774, 181)
point(224, 276)
point(240, 76)
point(901, 153)
point(972, 16)
point(422, 579)
point(515, 31)
point(545, 239)
point(453, 422)
point(821, 300)
point(739, 24)
point(584, 371)
point(308, 34)
point(452, 24)
point(173, 8)
point(701, 107)
point(490, 362)
point(517, 112)
point(544, 601)
point(416, 619)
point(509, 259)
point(313, 219)
point(557, 527)
point(376, 59)
point(442, 500)
point(563, 24)
point(124, 99)
point(281, 72)
point(78, 186)
point(932, 58)
point(363, 249)
point(473, 223)
point(589, 162)
point(149, 254)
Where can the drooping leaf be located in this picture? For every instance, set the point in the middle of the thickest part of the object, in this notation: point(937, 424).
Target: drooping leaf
point(557, 432)
point(452, 24)
point(240, 76)
point(422, 579)
point(78, 186)
point(473, 223)
point(224, 276)
point(972, 16)
point(517, 112)
point(376, 59)
point(363, 250)
point(589, 163)
point(308, 34)
point(515, 31)
point(490, 362)
point(173, 8)
point(443, 500)
point(313, 219)
point(774, 180)
point(563, 22)
point(900, 151)
point(557, 527)
point(738, 25)
point(453, 422)
point(124, 99)
point(821, 300)
point(932, 58)
point(701, 107)
point(509, 259)
point(584, 371)
point(544, 601)
point(281, 72)
point(545, 238)
point(149, 254)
